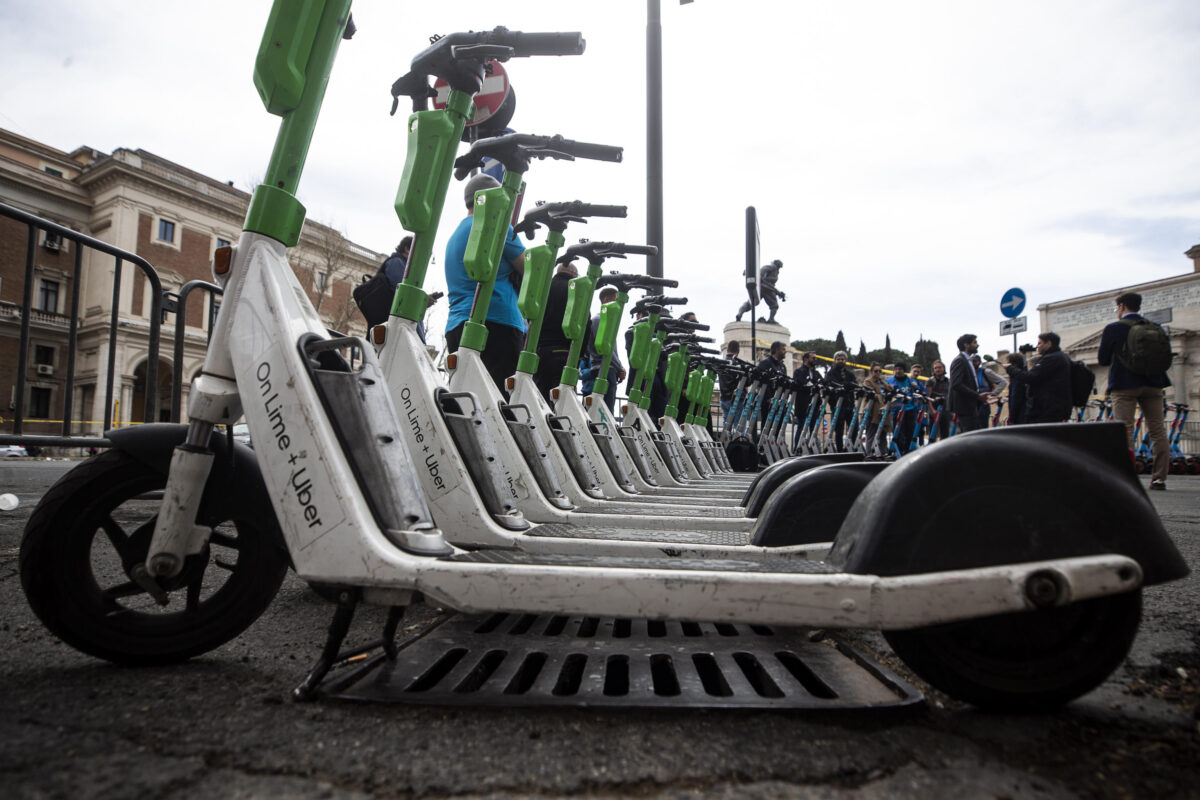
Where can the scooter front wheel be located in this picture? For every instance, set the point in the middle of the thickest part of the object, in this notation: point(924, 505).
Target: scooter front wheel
point(94, 526)
point(1028, 661)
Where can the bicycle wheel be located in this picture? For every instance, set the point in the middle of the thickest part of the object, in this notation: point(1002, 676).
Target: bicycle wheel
point(94, 526)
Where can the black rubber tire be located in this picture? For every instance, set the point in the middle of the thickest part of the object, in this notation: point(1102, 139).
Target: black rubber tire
point(1028, 661)
point(77, 580)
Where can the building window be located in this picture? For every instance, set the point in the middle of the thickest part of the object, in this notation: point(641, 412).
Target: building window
point(39, 403)
point(166, 231)
point(48, 296)
point(43, 354)
point(52, 171)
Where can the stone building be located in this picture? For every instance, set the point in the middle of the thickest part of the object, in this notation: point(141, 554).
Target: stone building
point(169, 215)
point(1173, 302)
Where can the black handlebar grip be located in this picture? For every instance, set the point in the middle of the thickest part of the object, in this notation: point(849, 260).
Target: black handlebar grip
point(672, 301)
point(546, 44)
point(588, 150)
point(595, 210)
point(639, 250)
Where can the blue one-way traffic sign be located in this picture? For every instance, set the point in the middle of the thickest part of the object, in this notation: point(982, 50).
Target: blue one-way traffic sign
point(1013, 302)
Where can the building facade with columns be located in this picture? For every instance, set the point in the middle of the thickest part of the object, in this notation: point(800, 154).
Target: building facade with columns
point(169, 215)
point(1173, 302)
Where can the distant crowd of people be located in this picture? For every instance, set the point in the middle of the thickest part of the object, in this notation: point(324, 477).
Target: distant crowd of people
point(1035, 384)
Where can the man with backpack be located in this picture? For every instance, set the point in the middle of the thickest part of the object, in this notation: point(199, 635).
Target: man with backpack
point(1139, 354)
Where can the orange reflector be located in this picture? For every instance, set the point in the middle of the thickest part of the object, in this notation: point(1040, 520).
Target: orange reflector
point(222, 258)
point(452, 361)
point(379, 334)
point(554, 394)
point(587, 401)
point(511, 383)
point(624, 409)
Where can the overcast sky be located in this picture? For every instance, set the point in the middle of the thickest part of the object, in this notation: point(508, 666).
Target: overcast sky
point(909, 161)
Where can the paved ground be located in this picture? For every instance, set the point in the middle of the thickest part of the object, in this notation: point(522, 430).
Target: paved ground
point(223, 725)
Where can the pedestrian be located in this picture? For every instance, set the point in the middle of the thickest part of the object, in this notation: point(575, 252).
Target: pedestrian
point(938, 389)
point(1018, 392)
point(808, 382)
point(1137, 376)
point(989, 382)
point(772, 364)
point(874, 383)
point(1048, 382)
point(504, 323)
point(553, 345)
point(839, 384)
point(903, 407)
point(964, 399)
point(729, 379)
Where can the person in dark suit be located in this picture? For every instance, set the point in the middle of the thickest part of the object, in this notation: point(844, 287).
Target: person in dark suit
point(553, 345)
point(1129, 389)
point(964, 398)
point(1048, 383)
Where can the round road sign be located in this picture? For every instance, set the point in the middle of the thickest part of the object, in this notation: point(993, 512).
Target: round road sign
point(490, 97)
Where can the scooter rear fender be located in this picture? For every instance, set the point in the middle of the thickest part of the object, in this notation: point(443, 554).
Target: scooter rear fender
point(1006, 496)
point(235, 478)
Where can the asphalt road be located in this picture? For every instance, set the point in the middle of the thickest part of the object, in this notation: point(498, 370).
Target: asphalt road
point(224, 726)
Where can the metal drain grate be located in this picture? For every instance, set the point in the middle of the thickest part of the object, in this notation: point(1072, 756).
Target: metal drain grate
point(540, 660)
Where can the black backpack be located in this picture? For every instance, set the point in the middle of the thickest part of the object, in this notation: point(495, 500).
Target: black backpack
point(1147, 349)
point(1082, 381)
point(374, 297)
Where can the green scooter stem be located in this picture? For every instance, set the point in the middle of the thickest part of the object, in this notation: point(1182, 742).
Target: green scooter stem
point(485, 248)
point(433, 138)
point(676, 370)
point(282, 60)
point(650, 368)
point(576, 319)
point(606, 338)
point(535, 291)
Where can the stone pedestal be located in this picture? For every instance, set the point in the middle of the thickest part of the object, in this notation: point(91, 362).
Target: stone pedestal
point(765, 332)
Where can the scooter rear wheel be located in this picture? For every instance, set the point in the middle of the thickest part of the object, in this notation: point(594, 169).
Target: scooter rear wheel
point(1029, 661)
point(94, 526)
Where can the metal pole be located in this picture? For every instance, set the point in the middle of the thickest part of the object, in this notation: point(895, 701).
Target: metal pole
point(654, 150)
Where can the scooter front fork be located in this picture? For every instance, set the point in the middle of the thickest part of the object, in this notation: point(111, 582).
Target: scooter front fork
point(176, 534)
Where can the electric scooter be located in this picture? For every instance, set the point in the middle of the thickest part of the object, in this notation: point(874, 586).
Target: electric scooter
point(1011, 618)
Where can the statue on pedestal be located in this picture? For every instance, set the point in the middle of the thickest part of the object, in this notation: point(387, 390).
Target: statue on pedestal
point(767, 277)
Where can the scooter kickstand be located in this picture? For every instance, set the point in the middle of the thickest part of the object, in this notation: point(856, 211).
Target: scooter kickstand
point(338, 628)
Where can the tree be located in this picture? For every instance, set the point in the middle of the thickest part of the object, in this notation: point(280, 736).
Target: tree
point(822, 347)
point(862, 352)
point(319, 268)
point(840, 341)
point(887, 348)
point(926, 352)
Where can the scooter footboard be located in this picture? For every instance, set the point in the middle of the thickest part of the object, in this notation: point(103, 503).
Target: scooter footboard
point(1004, 496)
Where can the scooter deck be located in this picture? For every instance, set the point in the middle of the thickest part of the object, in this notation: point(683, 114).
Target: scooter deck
point(543, 660)
point(569, 531)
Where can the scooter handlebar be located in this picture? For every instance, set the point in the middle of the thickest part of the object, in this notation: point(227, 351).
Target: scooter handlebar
point(556, 215)
point(515, 150)
point(596, 252)
point(459, 59)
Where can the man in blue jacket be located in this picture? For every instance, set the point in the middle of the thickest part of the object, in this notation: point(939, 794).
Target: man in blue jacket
point(1130, 389)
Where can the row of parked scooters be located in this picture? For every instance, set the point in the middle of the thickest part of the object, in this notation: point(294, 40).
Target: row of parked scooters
point(395, 485)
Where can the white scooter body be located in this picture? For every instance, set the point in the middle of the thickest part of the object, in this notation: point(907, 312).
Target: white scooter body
point(470, 375)
point(525, 392)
